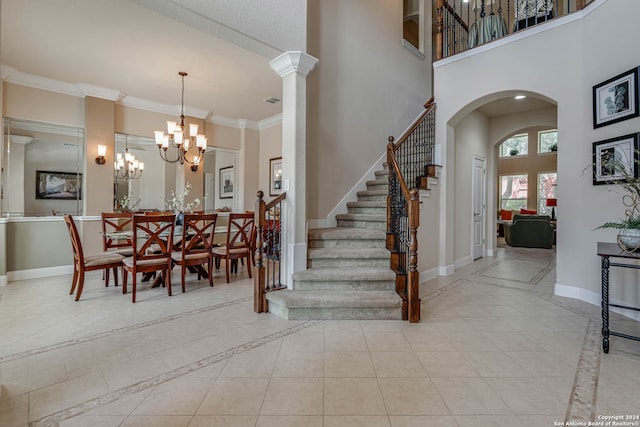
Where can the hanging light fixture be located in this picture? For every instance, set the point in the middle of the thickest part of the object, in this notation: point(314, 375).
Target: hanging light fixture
point(126, 165)
point(176, 138)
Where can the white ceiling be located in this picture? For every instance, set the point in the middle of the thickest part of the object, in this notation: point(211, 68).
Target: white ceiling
point(136, 53)
point(510, 105)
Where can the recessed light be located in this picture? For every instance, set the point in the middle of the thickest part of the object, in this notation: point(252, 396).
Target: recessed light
point(520, 97)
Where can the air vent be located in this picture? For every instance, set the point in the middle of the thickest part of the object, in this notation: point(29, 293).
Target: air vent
point(272, 100)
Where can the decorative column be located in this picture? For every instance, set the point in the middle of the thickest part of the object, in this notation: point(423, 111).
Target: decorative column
point(294, 67)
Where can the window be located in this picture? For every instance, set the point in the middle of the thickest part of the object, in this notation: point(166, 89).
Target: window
point(517, 145)
point(513, 192)
point(546, 190)
point(547, 141)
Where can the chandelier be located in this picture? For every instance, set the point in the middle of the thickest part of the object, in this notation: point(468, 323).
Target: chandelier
point(176, 138)
point(126, 165)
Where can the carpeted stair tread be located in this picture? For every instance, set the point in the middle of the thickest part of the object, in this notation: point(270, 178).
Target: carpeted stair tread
point(372, 204)
point(346, 233)
point(345, 274)
point(384, 193)
point(379, 181)
point(344, 299)
point(349, 253)
point(361, 217)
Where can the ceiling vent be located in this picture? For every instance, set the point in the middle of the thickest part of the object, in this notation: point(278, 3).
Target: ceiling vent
point(272, 100)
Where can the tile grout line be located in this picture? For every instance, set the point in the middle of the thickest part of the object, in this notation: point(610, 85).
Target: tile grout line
point(104, 334)
point(55, 418)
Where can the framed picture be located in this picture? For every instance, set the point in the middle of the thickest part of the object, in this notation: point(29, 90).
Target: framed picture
point(275, 176)
point(58, 185)
point(227, 179)
point(616, 99)
point(615, 159)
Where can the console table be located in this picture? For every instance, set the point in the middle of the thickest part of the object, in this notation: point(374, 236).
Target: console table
point(606, 251)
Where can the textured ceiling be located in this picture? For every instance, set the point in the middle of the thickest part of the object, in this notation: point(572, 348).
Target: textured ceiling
point(123, 46)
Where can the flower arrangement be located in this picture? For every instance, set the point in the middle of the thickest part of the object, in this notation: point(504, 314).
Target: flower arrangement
point(177, 201)
point(127, 204)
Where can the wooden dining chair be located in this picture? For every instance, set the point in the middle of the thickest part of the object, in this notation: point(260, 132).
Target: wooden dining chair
point(82, 263)
point(150, 230)
point(238, 242)
point(112, 225)
point(198, 231)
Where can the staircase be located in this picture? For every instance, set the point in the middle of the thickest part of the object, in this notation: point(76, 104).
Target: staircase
point(348, 275)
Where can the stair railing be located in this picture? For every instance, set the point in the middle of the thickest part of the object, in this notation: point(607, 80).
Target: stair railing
point(408, 161)
point(269, 223)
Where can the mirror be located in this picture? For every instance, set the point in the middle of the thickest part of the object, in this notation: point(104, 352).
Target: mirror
point(41, 169)
point(159, 177)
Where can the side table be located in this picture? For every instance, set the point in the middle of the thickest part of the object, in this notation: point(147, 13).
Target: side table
point(607, 251)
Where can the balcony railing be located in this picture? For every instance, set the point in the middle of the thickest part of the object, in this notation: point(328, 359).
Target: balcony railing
point(464, 24)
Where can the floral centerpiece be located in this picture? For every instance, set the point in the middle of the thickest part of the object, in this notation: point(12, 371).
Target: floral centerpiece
point(127, 204)
point(178, 204)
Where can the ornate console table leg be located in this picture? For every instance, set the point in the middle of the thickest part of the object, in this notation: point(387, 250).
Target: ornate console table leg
point(605, 304)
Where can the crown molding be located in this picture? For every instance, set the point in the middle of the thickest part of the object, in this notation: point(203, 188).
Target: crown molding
point(270, 122)
point(293, 61)
point(19, 139)
point(101, 92)
point(12, 75)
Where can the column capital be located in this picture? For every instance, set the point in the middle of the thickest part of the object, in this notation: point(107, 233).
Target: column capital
point(293, 61)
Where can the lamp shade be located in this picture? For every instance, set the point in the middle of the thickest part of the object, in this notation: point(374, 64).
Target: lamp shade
point(552, 202)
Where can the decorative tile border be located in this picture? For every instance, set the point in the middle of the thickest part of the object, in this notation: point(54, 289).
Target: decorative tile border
point(64, 414)
point(582, 403)
point(105, 334)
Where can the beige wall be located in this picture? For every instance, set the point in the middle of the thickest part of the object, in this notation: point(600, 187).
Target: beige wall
point(22, 102)
point(38, 243)
point(366, 87)
point(270, 147)
point(252, 161)
point(98, 179)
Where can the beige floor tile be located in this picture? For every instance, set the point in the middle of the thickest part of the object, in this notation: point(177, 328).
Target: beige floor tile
point(491, 421)
point(14, 411)
point(470, 396)
point(530, 396)
point(256, 363)
point(348, 364)
point(618, 398)
point(123, 406)
point(541, 420)
point(289, 421)
point(543, 364)
point(304, 341)
point(234, 396)
point(494, 364)
point(345, 340)
point(513, 341)
point(134, 371)
point(94, 421)
point(470, 341)
point(446, 364)
point(386, 341)
point(17, 385)
point(299, 364)
point(50, 399)
point(411, 396)
point(422, 421)
point(181, 396)
point(210, 371)
point(427, 341)
point(394, 364)
point(352, 396)
point(356, 421)
point(155, 421)
point(223, 421)
point(293, 396)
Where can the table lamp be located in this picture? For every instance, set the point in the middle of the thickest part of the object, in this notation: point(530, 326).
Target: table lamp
point(553, 203)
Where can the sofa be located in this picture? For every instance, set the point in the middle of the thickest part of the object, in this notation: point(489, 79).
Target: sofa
point(530, 231)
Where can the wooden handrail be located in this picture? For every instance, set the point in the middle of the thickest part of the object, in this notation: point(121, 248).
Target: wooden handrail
point(428, 106)
point(261, 280)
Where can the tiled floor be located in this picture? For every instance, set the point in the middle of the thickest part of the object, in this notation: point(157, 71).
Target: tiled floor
point(494, 348)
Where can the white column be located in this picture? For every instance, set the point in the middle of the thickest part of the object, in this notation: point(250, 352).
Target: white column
point(294, 67)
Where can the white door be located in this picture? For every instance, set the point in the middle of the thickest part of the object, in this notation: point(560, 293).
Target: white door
point(478, 194)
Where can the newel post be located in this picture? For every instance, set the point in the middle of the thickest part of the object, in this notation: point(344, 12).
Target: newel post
point(413, 287)
point(259, 294)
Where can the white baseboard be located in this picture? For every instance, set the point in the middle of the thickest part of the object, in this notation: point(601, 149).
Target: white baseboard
point(462, 262)
point(489, 252)
point(37, 273)
point(446, 270)
point(4, 281)
point(593, 298)
point(429, 274)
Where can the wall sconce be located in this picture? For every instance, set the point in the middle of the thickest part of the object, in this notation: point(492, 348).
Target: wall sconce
point(194, 166)
point(102, 151)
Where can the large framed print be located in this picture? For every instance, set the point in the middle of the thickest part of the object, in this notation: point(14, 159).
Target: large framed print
point(615, 159)
point(58, 185)
point(616, 99)
point(227, 179)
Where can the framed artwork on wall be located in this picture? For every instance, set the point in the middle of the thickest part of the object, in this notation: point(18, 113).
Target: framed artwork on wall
point(275, 176)
point(227, 179)
point(616, 99)
point(58, 185)
point(615, 159)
